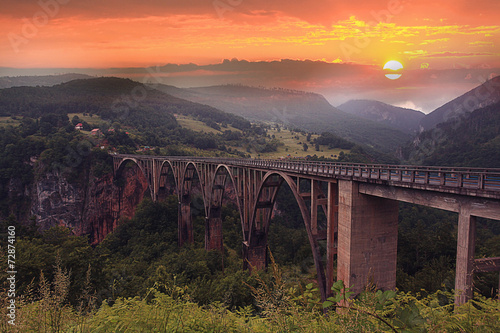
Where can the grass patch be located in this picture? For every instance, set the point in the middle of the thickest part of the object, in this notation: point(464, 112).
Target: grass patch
point(293, 145)
point(195, 125)
point(292, 142)
point(9, 121)
point(94, 120)
point(199, 126)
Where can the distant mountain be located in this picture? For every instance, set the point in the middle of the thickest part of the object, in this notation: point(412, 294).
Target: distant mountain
point(33, 81)
point(129, 102)
point(405, 120)
point(486, 94)
point(472, 141)
point(307, 111)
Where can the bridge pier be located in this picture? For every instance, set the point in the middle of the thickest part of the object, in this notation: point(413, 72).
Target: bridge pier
point(185, 221)
point(465, 257)
point(367, 239)
point(255, 254)
point(331, 234)
point(213, 230)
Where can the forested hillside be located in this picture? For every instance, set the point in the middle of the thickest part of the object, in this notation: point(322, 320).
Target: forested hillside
point(471, 141)
point(112, 99)
point(405, 120)
point(484, 95)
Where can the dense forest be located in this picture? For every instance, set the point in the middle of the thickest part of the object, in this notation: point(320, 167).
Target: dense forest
point(473, 141)
point(138, 279)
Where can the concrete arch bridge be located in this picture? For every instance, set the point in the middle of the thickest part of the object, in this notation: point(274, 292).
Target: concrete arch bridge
point(360, 202)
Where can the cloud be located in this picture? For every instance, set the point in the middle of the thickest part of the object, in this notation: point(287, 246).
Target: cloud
point(323, 12)
point(409, 105)
point(481, 43)
point(433, 41)
point(459, 54)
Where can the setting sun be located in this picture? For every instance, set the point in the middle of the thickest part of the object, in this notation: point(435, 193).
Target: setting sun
point(393, 66)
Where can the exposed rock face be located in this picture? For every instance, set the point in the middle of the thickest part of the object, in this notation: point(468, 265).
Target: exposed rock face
point(55, 201)
point(91, 207)
point(108, 202)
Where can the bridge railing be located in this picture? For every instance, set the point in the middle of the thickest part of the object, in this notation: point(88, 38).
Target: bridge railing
point(470, 178)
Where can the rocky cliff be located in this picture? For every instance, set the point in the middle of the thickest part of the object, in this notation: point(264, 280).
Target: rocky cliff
point(90, 206)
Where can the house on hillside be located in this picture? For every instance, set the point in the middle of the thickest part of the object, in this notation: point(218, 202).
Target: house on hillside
point(79, 126)
point(96, 132)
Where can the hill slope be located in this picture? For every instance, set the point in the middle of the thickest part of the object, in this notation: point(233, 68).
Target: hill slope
point(405, 120)
point(33, 81)
point(124, 100)
point(473, 141)
point(486, 94)
point(307, 111)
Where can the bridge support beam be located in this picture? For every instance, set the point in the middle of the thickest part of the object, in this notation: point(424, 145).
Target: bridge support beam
point(255, 254)
point(367, 239)
point(465, 257)
point(185, 223)
point(332, 228)
point(213, 230)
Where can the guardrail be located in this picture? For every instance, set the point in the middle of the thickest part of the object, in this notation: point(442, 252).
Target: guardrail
point(468, 178)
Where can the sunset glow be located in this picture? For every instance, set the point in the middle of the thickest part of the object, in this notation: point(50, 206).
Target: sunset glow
point(423, 35)
point(122, 33)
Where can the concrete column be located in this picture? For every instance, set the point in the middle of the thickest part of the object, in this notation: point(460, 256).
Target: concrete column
point(256, 257)
point(155, 180)
point(213, 230)
point(255, 253)
point(331, 249)
point(185, 223)
point(314, 206)
point(465, 257)
point(367, 239)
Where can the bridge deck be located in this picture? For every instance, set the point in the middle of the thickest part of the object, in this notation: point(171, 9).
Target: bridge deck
point(478, 182)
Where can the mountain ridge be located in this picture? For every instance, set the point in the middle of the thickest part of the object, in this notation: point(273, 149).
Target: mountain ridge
point(473, 141)
point(483, 95)
point(39, 80)
point(303, 110)
point(404, 119)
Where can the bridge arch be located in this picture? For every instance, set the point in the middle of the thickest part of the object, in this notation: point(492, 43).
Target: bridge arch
point(141, 165)
point(256, 252)
point(185, 183)
point(161, 178)
point(215, 194)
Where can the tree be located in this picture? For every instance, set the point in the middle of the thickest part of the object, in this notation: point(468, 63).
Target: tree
point(75, 120)
point(341, 156)
point(305, 146)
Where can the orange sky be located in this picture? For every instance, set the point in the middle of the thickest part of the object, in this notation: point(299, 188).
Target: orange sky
point(447, 47)
point(123, 33)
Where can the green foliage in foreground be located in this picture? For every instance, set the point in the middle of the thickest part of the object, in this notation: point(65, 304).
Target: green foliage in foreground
point(279, 311)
